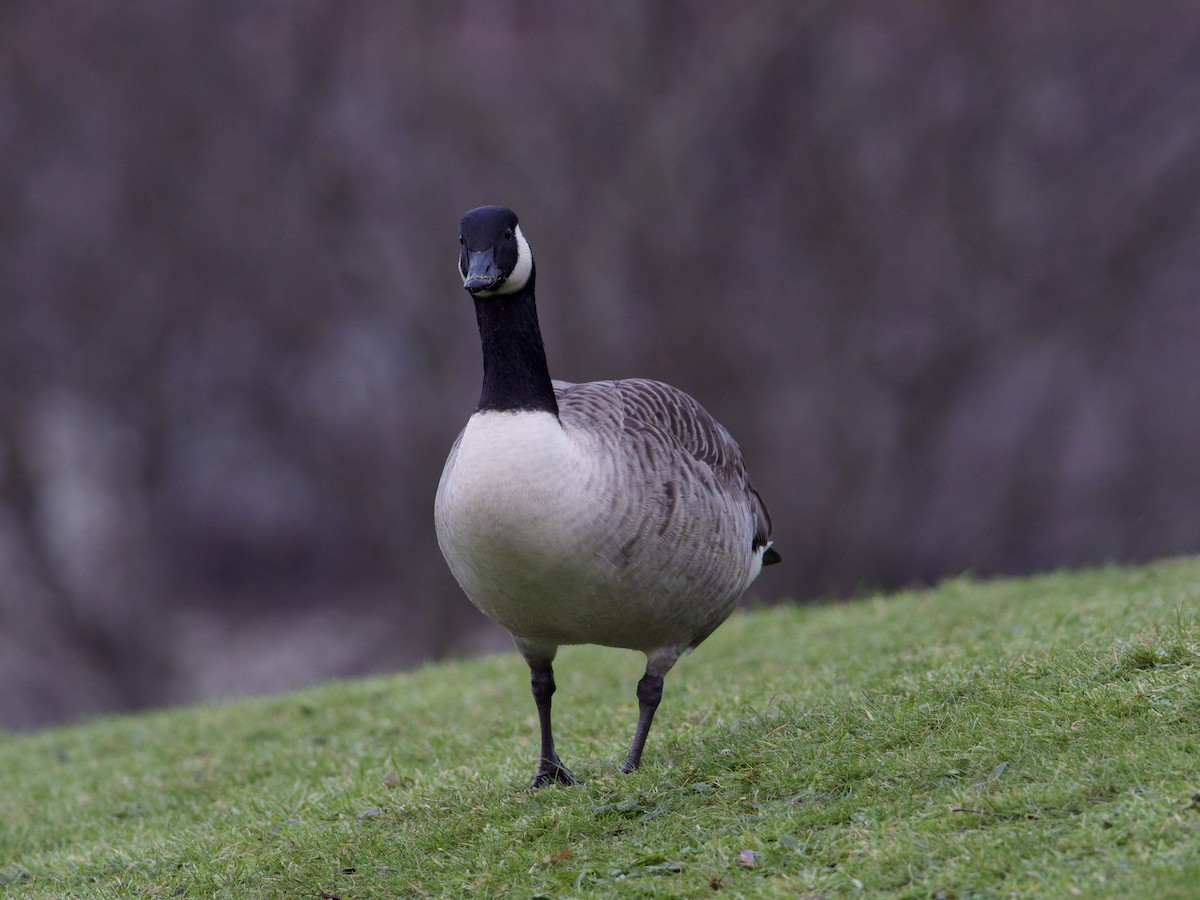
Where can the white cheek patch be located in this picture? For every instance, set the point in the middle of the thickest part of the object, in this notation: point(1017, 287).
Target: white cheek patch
point(520, 272)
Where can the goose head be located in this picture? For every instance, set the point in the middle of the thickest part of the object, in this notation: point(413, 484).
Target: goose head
point(493, 255)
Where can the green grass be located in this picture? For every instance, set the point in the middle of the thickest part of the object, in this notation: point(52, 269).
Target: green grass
point(1030, 737)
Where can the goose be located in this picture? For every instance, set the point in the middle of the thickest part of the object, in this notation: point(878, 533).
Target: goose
point(616, 513)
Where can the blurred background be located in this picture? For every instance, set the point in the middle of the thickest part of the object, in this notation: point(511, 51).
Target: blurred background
point(934, 264)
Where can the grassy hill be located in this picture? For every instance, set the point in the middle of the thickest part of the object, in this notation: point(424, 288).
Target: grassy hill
point(1030, 737)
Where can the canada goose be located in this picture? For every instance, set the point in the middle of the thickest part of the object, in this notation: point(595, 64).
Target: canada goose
point(614, 512)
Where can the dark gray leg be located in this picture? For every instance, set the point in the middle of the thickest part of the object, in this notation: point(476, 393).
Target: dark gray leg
point(649, 693)
point(550, 768)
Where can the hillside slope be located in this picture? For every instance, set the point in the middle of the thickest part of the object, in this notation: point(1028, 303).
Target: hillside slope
point(1022, 737)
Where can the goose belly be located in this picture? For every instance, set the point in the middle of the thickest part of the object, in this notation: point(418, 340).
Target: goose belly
point(540, 541)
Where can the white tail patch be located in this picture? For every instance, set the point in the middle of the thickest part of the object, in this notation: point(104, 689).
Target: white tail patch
point(756, 563)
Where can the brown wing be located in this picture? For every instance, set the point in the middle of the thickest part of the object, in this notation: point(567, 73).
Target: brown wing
point(668, 416)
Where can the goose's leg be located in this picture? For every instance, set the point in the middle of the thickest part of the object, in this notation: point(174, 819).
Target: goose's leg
point(550, 767)
point(649, 693)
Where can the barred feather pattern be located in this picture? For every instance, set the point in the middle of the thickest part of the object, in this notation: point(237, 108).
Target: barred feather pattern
point(656, 416)
point(627, 521)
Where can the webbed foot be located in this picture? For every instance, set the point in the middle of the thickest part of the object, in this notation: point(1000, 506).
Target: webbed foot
point(552, 771)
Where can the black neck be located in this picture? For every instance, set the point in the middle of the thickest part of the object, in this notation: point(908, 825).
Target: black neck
point(515, 375)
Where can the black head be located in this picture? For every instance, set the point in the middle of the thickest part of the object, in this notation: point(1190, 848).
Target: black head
point(493, 256)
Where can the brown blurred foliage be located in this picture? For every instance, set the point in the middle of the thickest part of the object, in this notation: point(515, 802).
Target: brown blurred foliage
point(934, 264)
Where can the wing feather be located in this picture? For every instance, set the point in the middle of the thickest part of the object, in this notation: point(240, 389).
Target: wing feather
point(653, 417)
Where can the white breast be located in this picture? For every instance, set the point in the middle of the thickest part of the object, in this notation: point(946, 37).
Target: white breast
point(563, 538)
point(511, 513)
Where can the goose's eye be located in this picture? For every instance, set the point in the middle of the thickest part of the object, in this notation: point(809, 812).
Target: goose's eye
point(508, 234)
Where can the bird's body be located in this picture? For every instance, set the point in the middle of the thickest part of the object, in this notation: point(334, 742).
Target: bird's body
point(614, 512)
point(550, 549)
